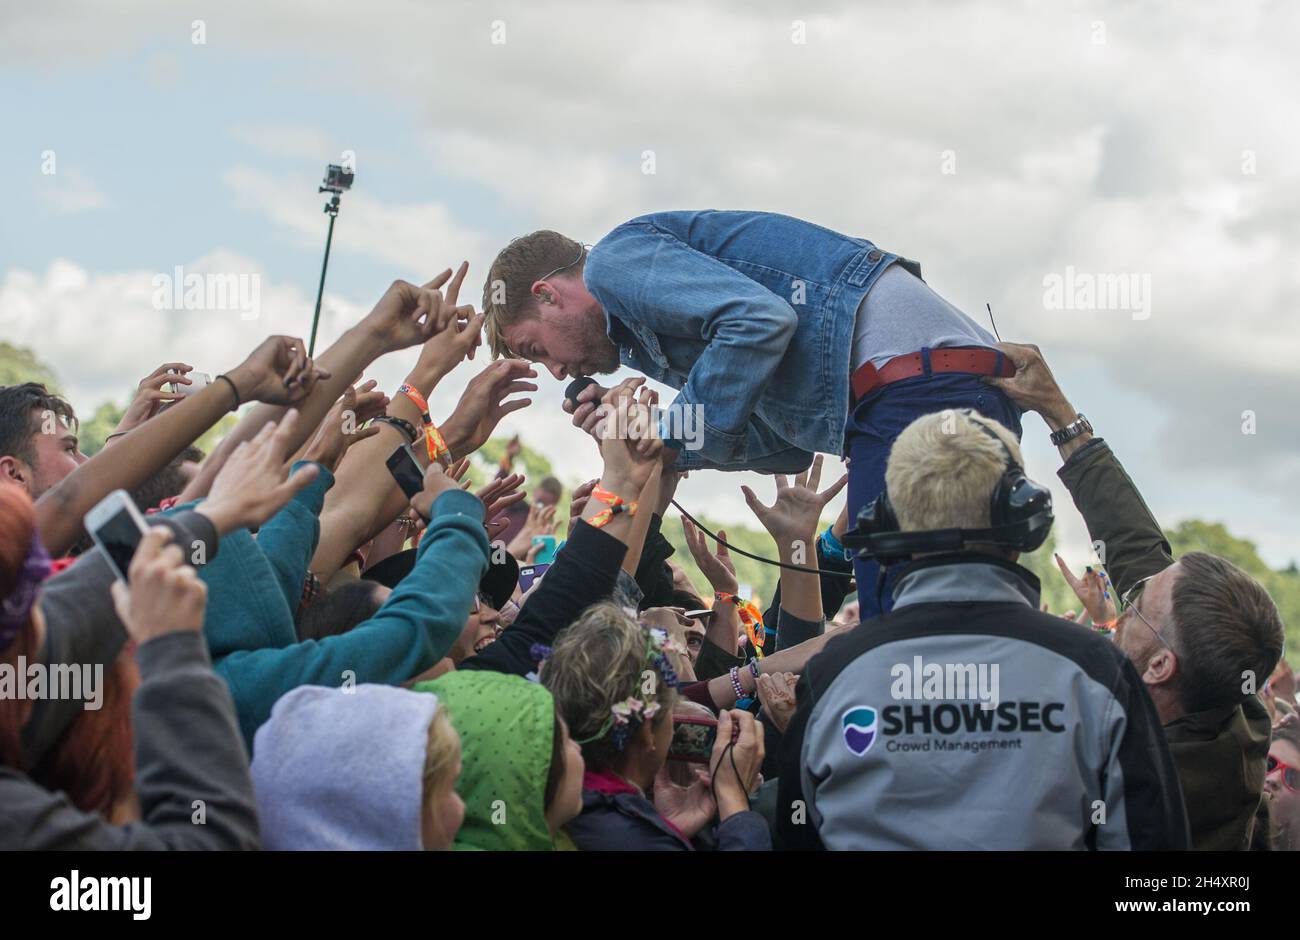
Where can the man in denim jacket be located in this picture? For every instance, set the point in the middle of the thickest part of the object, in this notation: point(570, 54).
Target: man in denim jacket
point(760, 321)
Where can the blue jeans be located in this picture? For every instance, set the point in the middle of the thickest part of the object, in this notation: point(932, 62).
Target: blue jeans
point(873, 425)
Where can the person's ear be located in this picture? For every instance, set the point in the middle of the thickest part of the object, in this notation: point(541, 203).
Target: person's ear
point(12, 470)
point(646, 735)
point(1161, 668)
point(543, 293)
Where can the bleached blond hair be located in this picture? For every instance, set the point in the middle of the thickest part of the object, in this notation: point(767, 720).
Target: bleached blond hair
point(943, 469)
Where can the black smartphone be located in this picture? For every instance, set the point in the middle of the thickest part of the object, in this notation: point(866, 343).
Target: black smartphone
point(117, 527)
point(528, 574)
point(406, 470)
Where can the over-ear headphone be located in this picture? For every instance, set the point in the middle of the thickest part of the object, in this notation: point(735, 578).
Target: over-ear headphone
point(1020, 516)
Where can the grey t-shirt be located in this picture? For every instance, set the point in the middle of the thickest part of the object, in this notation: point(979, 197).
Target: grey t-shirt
point(901, 314)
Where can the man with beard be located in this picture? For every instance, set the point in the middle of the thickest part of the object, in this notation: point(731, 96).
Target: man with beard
point(783, 338)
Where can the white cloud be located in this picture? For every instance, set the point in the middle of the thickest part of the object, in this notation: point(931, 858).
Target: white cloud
point(69, 191)
point(422, 238)
point(1120, 156)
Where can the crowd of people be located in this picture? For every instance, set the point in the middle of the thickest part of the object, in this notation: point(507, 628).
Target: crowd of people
point(299, 656)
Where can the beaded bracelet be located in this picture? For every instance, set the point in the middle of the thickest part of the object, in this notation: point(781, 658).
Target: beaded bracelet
point(400, 424)
point(735, 682)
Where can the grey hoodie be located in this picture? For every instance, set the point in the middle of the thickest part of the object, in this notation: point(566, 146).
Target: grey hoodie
point(338, 769)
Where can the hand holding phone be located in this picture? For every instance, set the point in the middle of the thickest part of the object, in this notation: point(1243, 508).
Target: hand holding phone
point(435, 483)
point(163, 594)
point(117, 527)
point(693, 738)
point(198, 381)
point(736, 761)
point(529, 574)
point(546, 553)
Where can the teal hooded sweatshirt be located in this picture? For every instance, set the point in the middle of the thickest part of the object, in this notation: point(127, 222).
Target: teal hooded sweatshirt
point(255, 585)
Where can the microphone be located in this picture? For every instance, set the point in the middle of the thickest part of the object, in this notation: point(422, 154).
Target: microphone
point(575, 388)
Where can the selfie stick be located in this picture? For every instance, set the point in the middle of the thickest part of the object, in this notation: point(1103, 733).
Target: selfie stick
point(338, 179)
point(332, 210)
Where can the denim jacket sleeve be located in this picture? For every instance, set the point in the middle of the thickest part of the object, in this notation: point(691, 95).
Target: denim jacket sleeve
point(649, 278)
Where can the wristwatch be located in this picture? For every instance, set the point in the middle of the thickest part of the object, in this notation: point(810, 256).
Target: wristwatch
point(1079, 425)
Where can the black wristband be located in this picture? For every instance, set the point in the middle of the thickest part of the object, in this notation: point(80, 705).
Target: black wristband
point(401, 424)
point(231, 382)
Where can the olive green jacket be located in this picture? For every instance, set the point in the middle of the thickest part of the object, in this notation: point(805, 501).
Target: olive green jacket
point(1220, 753)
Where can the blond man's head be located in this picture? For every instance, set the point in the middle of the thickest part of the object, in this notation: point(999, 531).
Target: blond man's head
point(943, 469)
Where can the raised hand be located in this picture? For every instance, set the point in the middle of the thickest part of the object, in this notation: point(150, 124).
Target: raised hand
point(149, 396)
point(483, 404)
point(717, 567)
point(277, 372)
point(798, 507)
point(447, 348)
point(629, 440)
point(1093, 590)
point(407, 315)
point(436, 482)
point(541, 521)
point(343, 425)
point(500, 494)
point(578, 501)
point(254, 484)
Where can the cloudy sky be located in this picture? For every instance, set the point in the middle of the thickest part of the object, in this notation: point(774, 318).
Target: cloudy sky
point(1003, 145)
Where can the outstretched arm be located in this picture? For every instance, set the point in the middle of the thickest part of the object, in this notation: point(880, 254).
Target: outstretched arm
point(1129, 539)
point(277, 372)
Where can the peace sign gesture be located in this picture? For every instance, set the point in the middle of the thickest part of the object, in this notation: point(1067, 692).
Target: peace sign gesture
point(798, 507)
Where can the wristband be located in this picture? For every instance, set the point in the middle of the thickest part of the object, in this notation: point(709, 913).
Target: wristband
point(400, 424)
point(615, 503)
point(433, 441)
point(736, 687)
point(833, 547)
point(753, 669)
point(750, 617)
point(231, 382)
point(1106, 627)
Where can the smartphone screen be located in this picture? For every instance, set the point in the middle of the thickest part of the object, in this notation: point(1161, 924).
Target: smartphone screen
point(693, 739)
point(119, 537)
point(406, 470)
point(528, 574)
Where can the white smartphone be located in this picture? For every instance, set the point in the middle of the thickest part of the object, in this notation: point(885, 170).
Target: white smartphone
point(197, 381)
point(117, 527)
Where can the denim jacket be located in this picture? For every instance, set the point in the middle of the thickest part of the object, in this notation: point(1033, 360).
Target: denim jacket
point(750, 315)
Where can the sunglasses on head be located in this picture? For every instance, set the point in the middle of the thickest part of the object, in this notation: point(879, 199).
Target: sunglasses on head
point(1290, 776)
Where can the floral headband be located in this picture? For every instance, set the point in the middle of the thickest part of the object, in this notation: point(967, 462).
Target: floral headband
point(626, 716)
point(16, 608)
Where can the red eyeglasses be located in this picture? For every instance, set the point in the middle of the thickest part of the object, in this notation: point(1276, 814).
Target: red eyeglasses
point(1290, 776)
